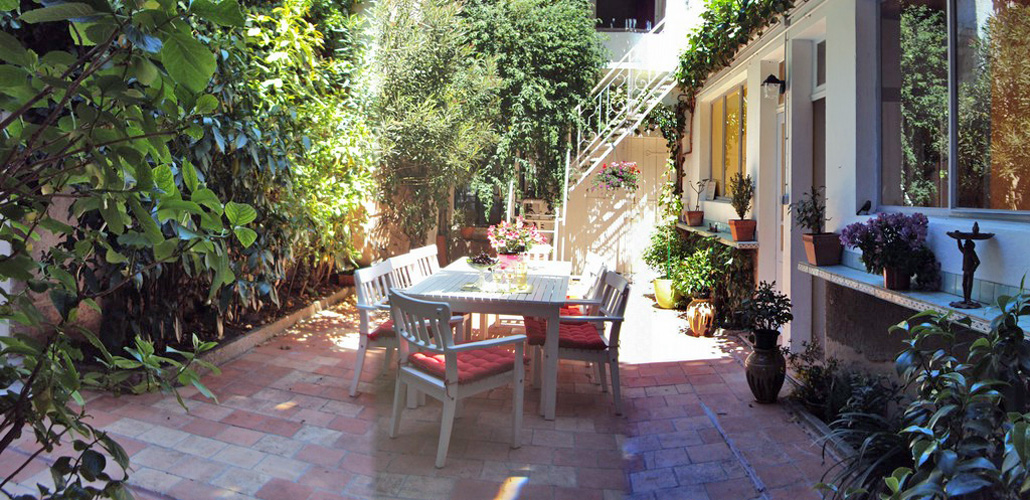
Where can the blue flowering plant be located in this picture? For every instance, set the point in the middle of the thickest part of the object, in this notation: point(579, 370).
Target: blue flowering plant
point(890, 240)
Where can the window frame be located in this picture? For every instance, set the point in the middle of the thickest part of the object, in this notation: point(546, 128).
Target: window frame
point(740, 88)
point(951, 209)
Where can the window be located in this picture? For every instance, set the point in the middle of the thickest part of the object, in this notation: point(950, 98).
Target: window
point(627, 14)
point(729, 131)
point(955, 127)
point(820, 64)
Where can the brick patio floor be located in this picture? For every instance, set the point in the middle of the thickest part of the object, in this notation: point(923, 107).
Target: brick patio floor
point(285, 429)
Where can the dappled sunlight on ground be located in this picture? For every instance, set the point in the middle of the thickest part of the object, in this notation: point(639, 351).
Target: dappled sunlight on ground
point(284, 428)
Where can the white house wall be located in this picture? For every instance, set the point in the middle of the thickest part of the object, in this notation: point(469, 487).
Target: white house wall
point(618, 224)
point(852, 147)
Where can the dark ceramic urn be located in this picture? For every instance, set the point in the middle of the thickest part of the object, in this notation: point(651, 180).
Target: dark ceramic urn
point(765, 367)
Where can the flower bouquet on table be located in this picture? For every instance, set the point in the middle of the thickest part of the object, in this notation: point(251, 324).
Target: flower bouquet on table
point(513, 238)
point(894, 244)
point(617, 175)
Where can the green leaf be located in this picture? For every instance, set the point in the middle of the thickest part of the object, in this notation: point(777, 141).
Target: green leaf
point(12, 51)
point(145, 71)
point(206, 104)
point(246, 236)
point(207, 198)
point(8, 4)
point(59, 12)
point(189, 176)
point(223, 13)
point(150, 229)
point(11, 76)
point(165, 249)
point(188, 61)
point(240, 214)
point(165, 180)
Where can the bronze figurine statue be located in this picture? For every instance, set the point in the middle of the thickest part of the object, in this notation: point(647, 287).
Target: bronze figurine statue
point(970, 262)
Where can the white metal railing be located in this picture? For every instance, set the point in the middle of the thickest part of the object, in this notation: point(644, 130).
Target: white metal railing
point(621, 100)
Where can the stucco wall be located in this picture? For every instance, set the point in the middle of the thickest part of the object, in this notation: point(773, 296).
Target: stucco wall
point(617, 224)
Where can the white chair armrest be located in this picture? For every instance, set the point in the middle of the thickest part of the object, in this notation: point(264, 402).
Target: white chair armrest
point(497, 342)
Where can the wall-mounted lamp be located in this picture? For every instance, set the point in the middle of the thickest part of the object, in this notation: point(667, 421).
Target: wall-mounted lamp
point(770, 83)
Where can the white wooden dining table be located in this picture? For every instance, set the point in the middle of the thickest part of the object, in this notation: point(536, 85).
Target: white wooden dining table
point(548, 286)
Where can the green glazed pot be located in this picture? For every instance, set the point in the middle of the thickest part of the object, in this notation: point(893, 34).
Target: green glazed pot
point(664, 294)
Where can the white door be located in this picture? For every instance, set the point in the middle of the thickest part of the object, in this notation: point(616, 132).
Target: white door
point(783, 195)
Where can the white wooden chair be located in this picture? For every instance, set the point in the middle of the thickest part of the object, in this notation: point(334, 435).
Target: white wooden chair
point(582, 337)
point(539, 252)
point(588, 284)
point(407, 270)
point(373, 286)
point(441, 369)
point(428, 259)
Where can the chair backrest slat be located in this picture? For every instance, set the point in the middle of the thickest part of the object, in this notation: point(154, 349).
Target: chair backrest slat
point(428, 259)
point(407, 270)
point(423, 324)
point(373, 283)
point(614, 298)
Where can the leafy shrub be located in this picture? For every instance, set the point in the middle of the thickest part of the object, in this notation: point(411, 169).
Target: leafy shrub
point(742, 192)
point(810, 211)
point(696, 275)
point(965, 429)
point(667, 249)
point(766, 309)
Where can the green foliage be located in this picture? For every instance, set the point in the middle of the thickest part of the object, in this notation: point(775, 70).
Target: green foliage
point(548, 57)
point(672, 122)
point(696, 275)
point(810, 211)
point(668, 247)
point(742, 192)
point(86, 161)
point(435, 105)
point(923, 104)
point(766, 309)
point(965, 429)
point(726, 26)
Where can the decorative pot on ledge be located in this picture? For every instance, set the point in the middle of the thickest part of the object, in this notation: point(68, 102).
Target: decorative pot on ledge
point(695, 218)
point(743, 229)
point(765, 367)
point(823, 249)
point(896, 279)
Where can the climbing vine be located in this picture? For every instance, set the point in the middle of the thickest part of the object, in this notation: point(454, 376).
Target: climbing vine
point(727, 25)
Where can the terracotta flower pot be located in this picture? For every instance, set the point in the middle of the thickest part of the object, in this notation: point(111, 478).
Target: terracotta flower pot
point(822, 249)
point(664, 294)
point(896, 279)
point(765, 367)
point(743, 229)
point(695, 218)
point(700, 315)
point(468, 232)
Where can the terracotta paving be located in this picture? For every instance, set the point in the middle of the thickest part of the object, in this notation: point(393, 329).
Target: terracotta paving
point(284, 429)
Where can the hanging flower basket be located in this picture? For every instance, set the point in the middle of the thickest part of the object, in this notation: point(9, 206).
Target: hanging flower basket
point(617, 175)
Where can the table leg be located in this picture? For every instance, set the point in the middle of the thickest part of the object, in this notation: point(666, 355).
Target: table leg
point(549, 393)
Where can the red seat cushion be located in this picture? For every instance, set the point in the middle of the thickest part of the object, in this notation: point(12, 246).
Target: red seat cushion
point(383, 330)
point(473, 365)
point(572, 335)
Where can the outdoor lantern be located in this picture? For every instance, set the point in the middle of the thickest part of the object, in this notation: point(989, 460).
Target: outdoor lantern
point(769, 83)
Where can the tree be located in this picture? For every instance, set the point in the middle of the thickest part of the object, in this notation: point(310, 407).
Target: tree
point(549, 56)
point(85, 130)
point(434, 106)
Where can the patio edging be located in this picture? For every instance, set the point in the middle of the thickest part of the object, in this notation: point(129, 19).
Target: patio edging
point(237, 347)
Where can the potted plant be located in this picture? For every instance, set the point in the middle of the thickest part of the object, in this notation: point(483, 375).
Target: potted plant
point(665, 250)
point(696, 217)
point(618, 175)
point(695, 278)
point(742, 191)
point(821, 248)
point(891, 243)
point(511, 240)
point(764, 313)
